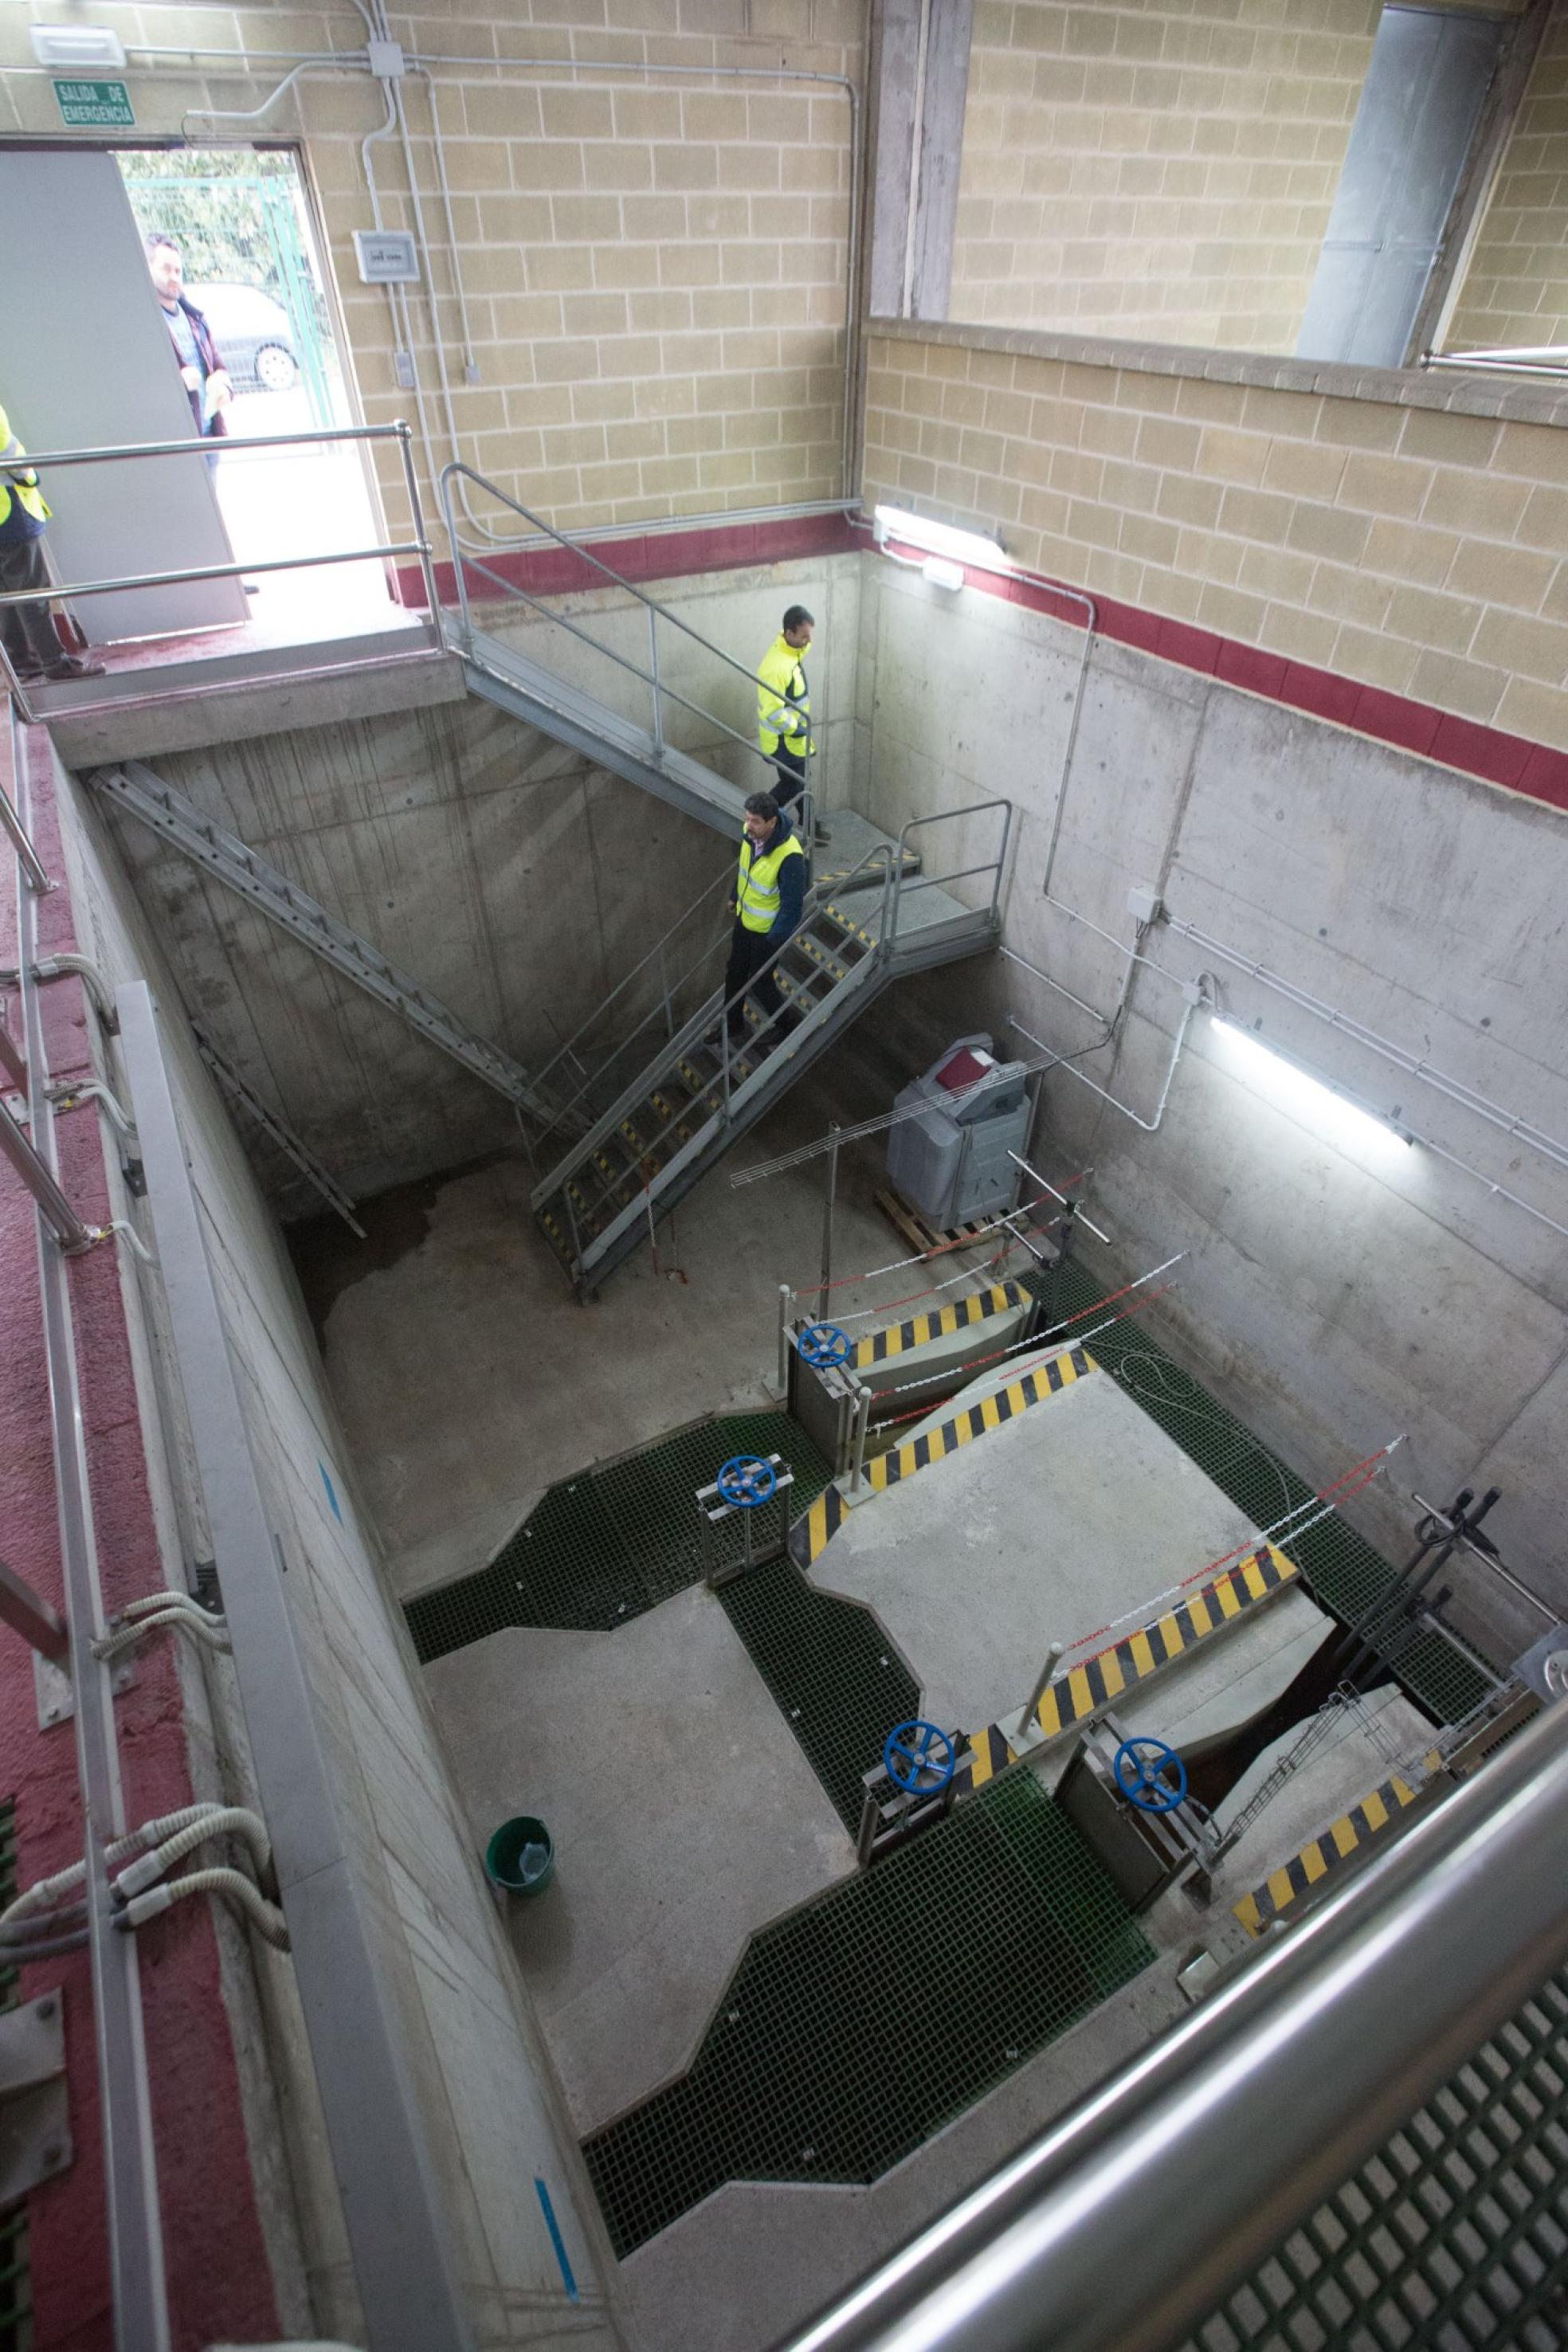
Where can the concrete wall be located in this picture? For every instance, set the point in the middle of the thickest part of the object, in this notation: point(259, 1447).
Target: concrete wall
point(1396, 534)
point(1337, 1295)
point(1515, 289)
point(654, 267)
point(481, 2081)
point(500, 869)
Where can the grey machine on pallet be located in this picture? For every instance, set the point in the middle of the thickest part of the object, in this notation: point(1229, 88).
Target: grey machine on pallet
point(949, 1156)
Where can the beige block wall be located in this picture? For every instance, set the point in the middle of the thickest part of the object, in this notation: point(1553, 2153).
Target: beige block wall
point(1161, 171)
point(1408, 546)
point(654, 266)
point(1516, 287)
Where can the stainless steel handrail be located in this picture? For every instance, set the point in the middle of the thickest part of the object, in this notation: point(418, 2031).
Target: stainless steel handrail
point(1123, 2224)
point(137, 2281)
point(462, 561)
point(420, 546)
point(717, 1007)
point(933, 881)
point(720, 882)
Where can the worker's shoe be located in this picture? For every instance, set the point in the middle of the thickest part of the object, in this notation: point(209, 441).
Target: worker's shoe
point(68, 666)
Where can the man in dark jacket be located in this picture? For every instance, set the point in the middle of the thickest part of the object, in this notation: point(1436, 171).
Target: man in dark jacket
point(202, 372)
point(770, 892)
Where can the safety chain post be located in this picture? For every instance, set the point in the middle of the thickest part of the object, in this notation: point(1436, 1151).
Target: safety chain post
point(828, 1221)
point(786, 1295)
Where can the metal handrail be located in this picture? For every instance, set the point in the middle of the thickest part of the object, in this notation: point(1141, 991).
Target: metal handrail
point(934, 881)
point(63, 592)
point(655, 612)
point(1125, 2221)
point(718, 1007)
point(720, 882)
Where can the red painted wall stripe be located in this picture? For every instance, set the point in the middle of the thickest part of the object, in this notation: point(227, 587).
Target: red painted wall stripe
point(220, 2283)
point(1535, 770)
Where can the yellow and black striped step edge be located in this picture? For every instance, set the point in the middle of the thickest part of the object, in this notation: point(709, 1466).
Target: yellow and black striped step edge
point(1324, 1853)
point(897, 1338)
point(1047, 1380)
point(810, 1536)
point(1083, 1690)
point(842, 919)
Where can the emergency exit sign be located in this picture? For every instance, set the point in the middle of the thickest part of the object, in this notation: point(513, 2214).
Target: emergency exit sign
point(94, 105)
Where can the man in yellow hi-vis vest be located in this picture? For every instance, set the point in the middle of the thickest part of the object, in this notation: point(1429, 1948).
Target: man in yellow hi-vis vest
point(784, 706)
point(769, 891)
point(27, 631)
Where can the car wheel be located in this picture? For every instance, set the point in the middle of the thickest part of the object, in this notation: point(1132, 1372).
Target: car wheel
point(276, 368)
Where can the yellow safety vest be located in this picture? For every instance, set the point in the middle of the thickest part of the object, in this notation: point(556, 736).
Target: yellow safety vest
point(781, 687)
point(757, 892)
point(29, 496)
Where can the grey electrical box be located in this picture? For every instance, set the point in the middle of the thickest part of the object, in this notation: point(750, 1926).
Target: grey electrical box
point(387, 257)
point(949, 1156)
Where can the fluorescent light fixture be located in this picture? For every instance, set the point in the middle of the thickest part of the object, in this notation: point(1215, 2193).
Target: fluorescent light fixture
point(938, 573)
point(1330, 1113)
point(78, 48)
point(941, 539)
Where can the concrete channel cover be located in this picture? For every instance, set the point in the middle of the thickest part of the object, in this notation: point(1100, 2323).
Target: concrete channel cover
point(683, 1815)
point(1043, 1530)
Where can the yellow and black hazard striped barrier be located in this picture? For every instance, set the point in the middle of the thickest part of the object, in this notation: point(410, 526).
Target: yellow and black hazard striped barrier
point(1082, 1691)
point(897, 1338)
point(811, 1534)
point(1006, 1404)
point(1325, 1853)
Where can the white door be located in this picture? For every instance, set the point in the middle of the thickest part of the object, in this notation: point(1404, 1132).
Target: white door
point(87, 362)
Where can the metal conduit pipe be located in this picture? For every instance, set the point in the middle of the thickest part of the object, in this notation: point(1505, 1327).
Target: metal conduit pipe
point(1149, 1126)
point(1125, 2221)
point(1512, 1123)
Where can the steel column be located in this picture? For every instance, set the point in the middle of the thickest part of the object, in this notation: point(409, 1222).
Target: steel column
point(398, 2232)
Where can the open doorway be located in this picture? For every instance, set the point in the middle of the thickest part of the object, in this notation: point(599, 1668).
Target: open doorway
point(239, 223)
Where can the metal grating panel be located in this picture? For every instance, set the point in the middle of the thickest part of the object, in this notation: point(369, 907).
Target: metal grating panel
point(839, 1684)
point(15, 2290)
point(1345, 1572)
point(857, 2027)
point(599, 1548)
point(1452, 2238)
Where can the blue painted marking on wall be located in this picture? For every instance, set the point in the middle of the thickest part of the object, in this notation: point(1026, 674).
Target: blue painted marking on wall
point(556, 2239)
point(332, 1493)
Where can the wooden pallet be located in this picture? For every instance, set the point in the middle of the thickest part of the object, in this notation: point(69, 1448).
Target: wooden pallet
point(911, 1227)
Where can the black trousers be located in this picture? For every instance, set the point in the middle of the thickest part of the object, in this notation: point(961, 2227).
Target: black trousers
point(790, 776)
point(28, 630)
point(748, 951)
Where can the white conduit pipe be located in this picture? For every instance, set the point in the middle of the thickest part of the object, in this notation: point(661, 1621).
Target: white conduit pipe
point(1149, 1126)
point(225, 1820)
point(44, 1893)
point(264, 1916)
point(195, 1621)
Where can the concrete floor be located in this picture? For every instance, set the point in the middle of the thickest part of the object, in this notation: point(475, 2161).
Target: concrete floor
point(470, 1379)
point(1039, 1531)
point(683, 1812)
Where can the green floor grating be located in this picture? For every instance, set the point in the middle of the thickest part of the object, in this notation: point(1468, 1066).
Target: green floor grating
point(1452, 2238)
point(857, 2027)
point(1344, 1571)
point(599, 1548)
point(838, 1684)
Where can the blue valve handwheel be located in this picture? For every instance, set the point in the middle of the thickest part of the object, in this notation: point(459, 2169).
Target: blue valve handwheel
point(1150, 1775)
point(822, 1344)
point(919, 1758)
point(746, 1481)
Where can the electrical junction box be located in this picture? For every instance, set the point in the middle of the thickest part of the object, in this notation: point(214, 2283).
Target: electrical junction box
point(387, 257)
point(949, 1155)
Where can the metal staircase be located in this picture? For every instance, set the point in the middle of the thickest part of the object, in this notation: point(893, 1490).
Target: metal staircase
point(662, 1112)
point(515, 682)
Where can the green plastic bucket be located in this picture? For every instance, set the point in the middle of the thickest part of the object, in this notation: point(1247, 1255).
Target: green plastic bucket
point(520, 1856)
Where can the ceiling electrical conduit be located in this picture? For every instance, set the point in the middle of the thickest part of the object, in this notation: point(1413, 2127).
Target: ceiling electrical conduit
point(427, 66)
